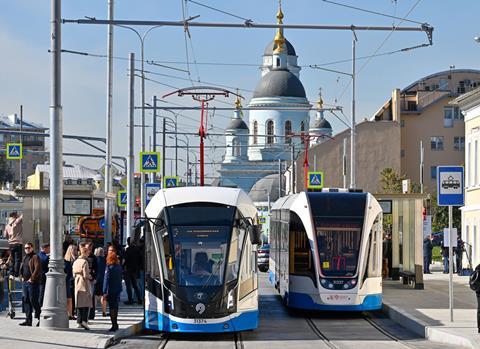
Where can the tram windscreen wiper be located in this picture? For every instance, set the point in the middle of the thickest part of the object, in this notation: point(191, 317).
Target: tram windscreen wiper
point(215, 269)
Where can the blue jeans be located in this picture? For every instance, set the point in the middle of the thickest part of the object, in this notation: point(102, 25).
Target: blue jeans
point(445, 264)
point(426, 264)
point(30, 292)
point(141, 282)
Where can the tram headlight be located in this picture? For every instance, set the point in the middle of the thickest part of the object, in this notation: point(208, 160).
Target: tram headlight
point(330, 286)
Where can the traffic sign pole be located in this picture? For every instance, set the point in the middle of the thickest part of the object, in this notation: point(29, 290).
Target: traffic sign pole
point(450, 262)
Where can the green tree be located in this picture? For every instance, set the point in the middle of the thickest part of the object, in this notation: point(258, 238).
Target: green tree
point(5, 174)
point(440, 216)
point(391, 181)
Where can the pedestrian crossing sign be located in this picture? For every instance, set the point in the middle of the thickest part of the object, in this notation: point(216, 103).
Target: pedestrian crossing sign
point(170, 182)
point(262, 220)
point(149, 162)
point(315, 180)
point(14, 151)
point(122, 198)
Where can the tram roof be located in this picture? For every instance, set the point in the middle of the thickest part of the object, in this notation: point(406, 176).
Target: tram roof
point(219, 195)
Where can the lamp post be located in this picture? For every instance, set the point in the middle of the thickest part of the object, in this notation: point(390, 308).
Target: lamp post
point(142, 138)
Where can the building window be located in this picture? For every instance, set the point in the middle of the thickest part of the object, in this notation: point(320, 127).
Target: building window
point(302, 130)
point(475, 165)
point(448, 117)
point(433, 172)
point(457, 114)
point(270, 132)
point(468, 168)
point(436, 143)
point(402, 153)
point(236, 150)
point(411, 105)
point(459, 143)
point(79, 181)
point(288, 131)
point(255, 132)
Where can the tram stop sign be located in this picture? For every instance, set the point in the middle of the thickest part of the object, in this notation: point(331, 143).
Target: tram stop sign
point(122, 198)
point(315, 180)
point(170, 182)
point(14, 151)
point(149, 162)
point(450, 186)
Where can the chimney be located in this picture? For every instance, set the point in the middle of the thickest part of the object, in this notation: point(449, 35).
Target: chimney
point(396, 105)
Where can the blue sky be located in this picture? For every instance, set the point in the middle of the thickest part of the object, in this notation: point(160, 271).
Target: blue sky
point(25, 64)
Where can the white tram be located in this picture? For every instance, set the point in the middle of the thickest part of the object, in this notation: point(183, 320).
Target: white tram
point(201, 270)
point(326, 250)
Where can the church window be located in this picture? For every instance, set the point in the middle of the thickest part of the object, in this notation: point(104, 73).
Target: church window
point(278, 62)
point(255, 132)
point(270, 130)
point(288, 132)
point(302, 130)
point(236, 150)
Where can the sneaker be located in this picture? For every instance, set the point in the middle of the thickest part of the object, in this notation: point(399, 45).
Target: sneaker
point(85, 325)
point(38, 323)
point(25, 323)
point(79, 326)
point(128, 302)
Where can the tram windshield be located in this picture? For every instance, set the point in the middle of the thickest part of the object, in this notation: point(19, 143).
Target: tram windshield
point(198, 243)
point(338, 221)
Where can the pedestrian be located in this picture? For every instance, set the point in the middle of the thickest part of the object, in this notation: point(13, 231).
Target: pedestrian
point(131, 269)
point(14, 233)
point(112, 286)
point(387, 253)
point(92, 264)
point(141, 276)
point(475, 286)
point(100, 256)
point(44, 256)
point(69, 258)
point(459, 254)
point(427, 254)
point(83, 291)
point(31, 271)
point(445, 255)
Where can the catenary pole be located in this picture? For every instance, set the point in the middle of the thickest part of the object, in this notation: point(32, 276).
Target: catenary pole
point(131, 135)
point(344, 163)
point(54, 311)
point(353, 183)
point(164, 126)
point(108, 203)
point(154, 133)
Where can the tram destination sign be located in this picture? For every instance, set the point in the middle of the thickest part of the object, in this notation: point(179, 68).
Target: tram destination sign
point(450, 186)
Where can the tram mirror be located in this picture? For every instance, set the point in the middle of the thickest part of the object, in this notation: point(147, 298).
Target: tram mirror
point(255, 232)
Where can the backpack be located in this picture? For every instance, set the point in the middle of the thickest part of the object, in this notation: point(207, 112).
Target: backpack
point(475, 280)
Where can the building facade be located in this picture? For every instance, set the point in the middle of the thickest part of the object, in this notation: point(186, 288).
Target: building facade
point(391, 138)
point(278, 115)
point(469, 103)
point(33, 146)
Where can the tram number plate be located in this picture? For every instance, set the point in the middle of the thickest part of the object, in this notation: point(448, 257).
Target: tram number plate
point(338, 297)
point(199, 321)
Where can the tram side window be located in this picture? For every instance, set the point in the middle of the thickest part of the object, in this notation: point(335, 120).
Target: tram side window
point(247, 276)
point(151, 263)
point(236, 245)
point(374, 265)
point(299, 242)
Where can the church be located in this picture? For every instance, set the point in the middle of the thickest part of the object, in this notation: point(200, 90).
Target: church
point(279, 111)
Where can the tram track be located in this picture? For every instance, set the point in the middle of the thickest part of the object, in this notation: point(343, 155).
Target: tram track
point(320, 334)
point(386, 333)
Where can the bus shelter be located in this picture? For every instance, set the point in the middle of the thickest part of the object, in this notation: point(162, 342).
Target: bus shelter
point(403, 219)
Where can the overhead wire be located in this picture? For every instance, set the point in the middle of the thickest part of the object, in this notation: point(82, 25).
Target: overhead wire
point(220, 11)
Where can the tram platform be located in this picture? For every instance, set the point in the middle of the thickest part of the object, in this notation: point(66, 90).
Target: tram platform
point(130, 321)
point(426, 312)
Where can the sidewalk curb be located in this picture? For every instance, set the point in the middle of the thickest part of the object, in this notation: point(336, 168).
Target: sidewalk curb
point(432, 333)
point(120, 334)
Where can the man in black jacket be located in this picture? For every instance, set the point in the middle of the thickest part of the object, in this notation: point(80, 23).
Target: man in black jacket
point(92, 264)
point(132, 265)
point(31, 272)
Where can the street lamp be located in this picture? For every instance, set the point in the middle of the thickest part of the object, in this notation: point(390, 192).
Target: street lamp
point(477, 39)
point(142, 51)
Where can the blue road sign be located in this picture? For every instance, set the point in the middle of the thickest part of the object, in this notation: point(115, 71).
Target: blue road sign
point(151, 189)
point(315, 180)
point(149, 161)
point(14, 151)
point(170, 182)
point(122, 198)
point(450, 187)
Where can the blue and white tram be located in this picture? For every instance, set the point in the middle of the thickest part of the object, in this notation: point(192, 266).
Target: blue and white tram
point(326, 250)
point(201, 271)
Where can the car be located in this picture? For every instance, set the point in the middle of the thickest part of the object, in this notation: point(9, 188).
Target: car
point(263, 257)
